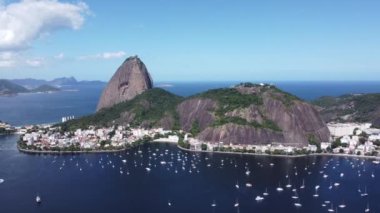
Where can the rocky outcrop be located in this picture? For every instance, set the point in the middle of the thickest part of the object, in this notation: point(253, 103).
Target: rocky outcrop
point(238, 134)
point(196, 110)
point(277, 117)
point(131, 79)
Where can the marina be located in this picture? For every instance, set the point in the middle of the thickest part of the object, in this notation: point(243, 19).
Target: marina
point(206, 179)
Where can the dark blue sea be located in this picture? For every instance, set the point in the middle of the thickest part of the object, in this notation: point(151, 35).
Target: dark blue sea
point(178, 181)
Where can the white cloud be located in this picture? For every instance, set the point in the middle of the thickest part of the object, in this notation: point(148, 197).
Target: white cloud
point(105, 55)
point(7, 59)
point(23, 22)
point(59, 56)
point(36, 62)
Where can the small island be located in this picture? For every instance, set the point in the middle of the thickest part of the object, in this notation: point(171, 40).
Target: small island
point(8, 88)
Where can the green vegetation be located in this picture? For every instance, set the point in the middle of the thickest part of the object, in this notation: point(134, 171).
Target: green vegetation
point(195, 128)
point(9, 88)
point(204, 147)
point(230, 99)
point(148, 108)
point(266, 124)
point(362, 108)
point(45, 88)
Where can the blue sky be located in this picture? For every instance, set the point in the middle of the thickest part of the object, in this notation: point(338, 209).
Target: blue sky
point(199, 40)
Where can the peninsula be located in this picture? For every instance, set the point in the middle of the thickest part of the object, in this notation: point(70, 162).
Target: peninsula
point(249, 118)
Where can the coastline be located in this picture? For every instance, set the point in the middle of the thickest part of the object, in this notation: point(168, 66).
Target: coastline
point(283, 156)
point(30, 151)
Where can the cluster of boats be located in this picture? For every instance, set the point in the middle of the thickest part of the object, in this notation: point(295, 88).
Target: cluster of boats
point(297, 181)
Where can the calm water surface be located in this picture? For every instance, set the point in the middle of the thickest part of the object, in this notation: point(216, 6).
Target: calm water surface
point(190, 182)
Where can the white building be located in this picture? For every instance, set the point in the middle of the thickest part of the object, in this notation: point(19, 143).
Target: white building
point(342, 129)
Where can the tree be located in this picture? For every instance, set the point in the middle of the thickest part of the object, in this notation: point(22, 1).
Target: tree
point(204, 146)
point(195, 128)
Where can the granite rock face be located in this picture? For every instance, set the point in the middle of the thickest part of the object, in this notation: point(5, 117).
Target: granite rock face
point(277, 118)
point(131, 79)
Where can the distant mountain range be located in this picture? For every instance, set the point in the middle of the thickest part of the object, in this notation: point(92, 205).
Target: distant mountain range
point(8, 88)
point(31, 83)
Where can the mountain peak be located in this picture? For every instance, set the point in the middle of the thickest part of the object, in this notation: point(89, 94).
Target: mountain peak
point(131, 79)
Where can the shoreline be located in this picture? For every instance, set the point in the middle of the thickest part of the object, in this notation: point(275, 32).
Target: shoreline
point(283, 156)
point(28, 151)
point(31, 151)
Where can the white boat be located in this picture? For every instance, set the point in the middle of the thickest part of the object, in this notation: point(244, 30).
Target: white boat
point(303, 184)
point(147, 169)
point(266, 192)
point(259, 198)
point(331, 209)
point(341, 174)
point(373, 175)
point(236, 204)
point(1, 181)
point(38, 199)
point(124, 161)
point(365, 192)
point(297, 204)
point(336, 184)
point(237, 185)
point(248, 185)
point(342, 206)
point(376, 162)
point(288, 185)
point(247, 172)
point(213, 204)
point(367, 208)
point(169, 203)
point(279, 188)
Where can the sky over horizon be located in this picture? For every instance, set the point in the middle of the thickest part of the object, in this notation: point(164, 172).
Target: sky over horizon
point(199, 40)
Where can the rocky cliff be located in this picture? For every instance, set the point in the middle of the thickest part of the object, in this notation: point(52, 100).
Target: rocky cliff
point(252, 114)
point(131, 79)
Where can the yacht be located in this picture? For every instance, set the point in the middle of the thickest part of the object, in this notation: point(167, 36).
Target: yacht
point(303, 184)
point(38, 199)
point(279, 188)
point(259, 198)
point(266, 192)
point(236, 204)
point(367, 208)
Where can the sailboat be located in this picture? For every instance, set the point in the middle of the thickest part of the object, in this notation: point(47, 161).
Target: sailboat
point(303, 184)
point(279, 188)
point(365, 192)
point(266, 192)
point(367, 208)
point(38, 199)
point(331, 209)
point(288, 185)
point(236, 204)
point(342, 206)
point(259, 198)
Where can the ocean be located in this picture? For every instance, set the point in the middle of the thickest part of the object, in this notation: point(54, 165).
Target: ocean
point(26, 109)
point(179, 181)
